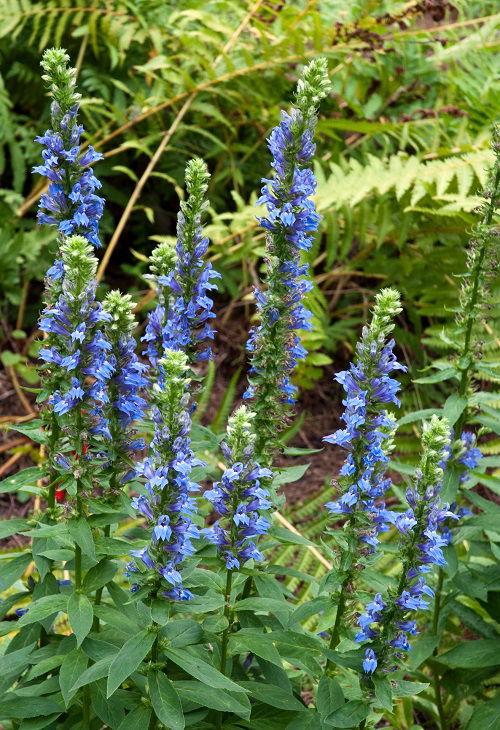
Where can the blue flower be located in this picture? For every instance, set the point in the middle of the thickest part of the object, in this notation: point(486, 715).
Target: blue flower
point(238, 497)
point(71, 203)
point(369, 428)
point(290, 224)
point(390, 621)
point(471, 455)
point(75, 343)
point(370, 661)
point(168, 504)
point(181, 321)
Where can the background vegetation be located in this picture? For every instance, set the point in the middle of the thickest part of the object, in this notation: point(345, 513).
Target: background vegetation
point(403, 147)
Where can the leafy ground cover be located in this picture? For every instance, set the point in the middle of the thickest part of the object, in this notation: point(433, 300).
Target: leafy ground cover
point(403, 153)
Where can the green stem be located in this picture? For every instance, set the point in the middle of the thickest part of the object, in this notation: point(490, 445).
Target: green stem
point(78, 551)
point(464, 380)
point(335, 637)
point(228, 615)
point(436, 683)
point(78, 567)
point(436, 679)
point(54, 436)
point(225, 637)
point(154, 658)
point(98, 593)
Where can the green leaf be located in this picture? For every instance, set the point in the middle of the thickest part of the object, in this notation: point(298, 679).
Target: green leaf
point(275, 696)
point(97, 671)
point(417, 416)
point(473, 654)
point(74, 664)
point(421, 650)
point(32, 427)
point(201, 670)
point(165, 700)
point(138, 719)
point(215, 699)
point(267, 605)
point(383, 692)
point(10, 527)
point(38, 723)
point(310, 608)
point(451, 482)
point(47, 531)
point(454, 407)
point(14, 662)
point(182, 632)
point(25, 478)
point(329, 696)
point(349, 715)
point(80, 614)
point(486, 716)
point(12, 569)
point(259, 644)
point(13, 706)
point(99, 575)
point(42, 608)
point(402, 688)
point(295, 640)
point(438, 377)
point(44, 666)
point(110, 711)
point(287, 536)
point(290, 474)
point(128, 659)
point(160, 612)
point(82, 534)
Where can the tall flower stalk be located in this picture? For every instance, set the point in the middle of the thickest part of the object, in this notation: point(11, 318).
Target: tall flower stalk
point(482, 262)
point(76, 371)
point(126, 405)
point(368, 439)
point(241, 503)
point(71, 203)
point(182, 319)
point(167, 503)
point(388, 622)
point(290, 224)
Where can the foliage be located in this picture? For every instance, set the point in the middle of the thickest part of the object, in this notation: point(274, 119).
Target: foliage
point(247, 623)
point(413, 84)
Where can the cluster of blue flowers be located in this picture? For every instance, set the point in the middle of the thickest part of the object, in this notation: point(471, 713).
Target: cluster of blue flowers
point(168, 504)
point(290, 224)
point(126, 384)
point(77, 345)
point(389, 622)
point(181, 321)
point(71, 202)
point(369, 428)
point(239, 497)
point(471, 455)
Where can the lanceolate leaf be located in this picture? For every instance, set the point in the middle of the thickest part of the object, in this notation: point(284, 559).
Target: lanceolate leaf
point(80, 614)
point(73, 666)
point(165, 701)
point(128, 659)
point(43, 608)
point(201, 670)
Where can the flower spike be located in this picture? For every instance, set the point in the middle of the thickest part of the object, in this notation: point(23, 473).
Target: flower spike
point(238, 497)
point(290, 224)
point(71, 203)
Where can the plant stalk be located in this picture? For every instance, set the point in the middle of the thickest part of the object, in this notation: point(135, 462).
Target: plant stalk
point(98, 593)
point(225, 637)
